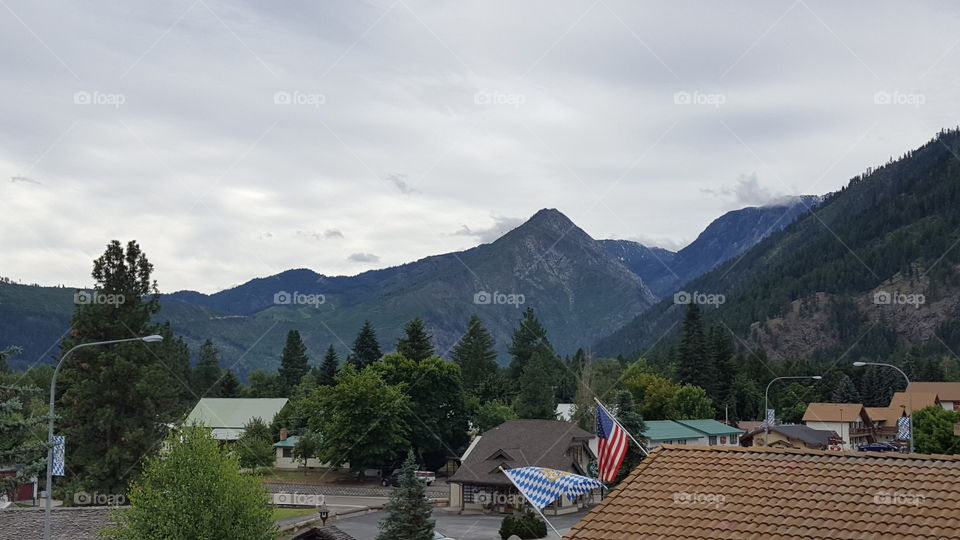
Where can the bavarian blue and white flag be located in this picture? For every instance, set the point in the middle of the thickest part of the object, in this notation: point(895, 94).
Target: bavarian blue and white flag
point(59, 442)
point(903, 427)
point(543, 486)
point(771, 419)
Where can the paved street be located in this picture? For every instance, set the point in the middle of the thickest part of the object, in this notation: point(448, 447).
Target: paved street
point(467, 527)
point(435, 491)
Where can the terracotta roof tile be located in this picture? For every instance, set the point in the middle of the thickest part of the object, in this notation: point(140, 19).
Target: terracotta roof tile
point(680, 491)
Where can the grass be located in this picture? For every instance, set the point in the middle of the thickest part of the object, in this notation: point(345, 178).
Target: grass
point(281, 513)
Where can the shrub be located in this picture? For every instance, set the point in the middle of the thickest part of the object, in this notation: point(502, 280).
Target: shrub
point(527, 525)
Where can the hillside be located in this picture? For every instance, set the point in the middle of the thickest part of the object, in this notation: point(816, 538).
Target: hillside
point(726, 237)
point(810, 289)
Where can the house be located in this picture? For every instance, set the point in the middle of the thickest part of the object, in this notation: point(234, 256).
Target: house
point(948, 393)
point(480, 486)
point(718, 433)
point(734, 492)
point(284, 451)
point(24, 492)
point(849, 420)
point(226, 417)
point(792, 436)
point(884, 421)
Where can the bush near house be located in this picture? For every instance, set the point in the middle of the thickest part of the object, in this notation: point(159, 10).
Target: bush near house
point(527, 525)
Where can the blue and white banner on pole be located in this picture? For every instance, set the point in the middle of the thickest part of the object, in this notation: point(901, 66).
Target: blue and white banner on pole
point(903, 427)
point(59, 443)
point(771, 417)
point(543, 486)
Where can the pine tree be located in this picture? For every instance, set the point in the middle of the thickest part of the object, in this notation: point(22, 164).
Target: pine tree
point(476, 355)
point(230, 386)
point(535, 397)
point(326, 372)
point(693, 363)
point(529, 337)
point(206, 375)
point(116, 400)
point(721, 351)
point(630, 419)
point(415, 344)
point(22, 435)
point(294, 363)
point(846, 391)
point(366, 348)
point(408, 511)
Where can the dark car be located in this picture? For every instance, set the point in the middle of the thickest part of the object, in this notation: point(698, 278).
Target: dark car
point(392, 480)
point(878, 447)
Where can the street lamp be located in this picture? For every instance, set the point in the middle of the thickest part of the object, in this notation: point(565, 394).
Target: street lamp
point(766, 393)
point(909, 392)
point(53, 390)
point(324, 514)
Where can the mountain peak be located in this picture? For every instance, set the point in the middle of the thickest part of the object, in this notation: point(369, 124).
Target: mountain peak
point(551, 218)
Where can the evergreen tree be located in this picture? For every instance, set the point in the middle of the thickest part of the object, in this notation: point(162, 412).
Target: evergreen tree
point(408, 511)
point(326, 372)
point(206, 375)
point(529, 337)
point(366, 348)
point(265, 385)
point(294, 363)
point(535, 397)
point(721, 352)
point(415, 344)
point(116, 400)
point(230, 386)
point(694, 365)
point(475, 355)
point(846, 391)
point(630, 419)
point(22, 434)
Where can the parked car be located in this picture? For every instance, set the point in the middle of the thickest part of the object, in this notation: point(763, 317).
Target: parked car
point(426, 477)
point(878, 447)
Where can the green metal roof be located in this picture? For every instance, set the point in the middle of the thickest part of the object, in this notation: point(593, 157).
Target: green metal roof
point(234, 413)
point(289, 442)
point(711, 427)
point(668, 430)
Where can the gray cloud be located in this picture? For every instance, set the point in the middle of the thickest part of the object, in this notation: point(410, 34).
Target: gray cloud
point(201, 158)
point(363, 257)
point(25, 180)
point(747, 192)
point(501, 225)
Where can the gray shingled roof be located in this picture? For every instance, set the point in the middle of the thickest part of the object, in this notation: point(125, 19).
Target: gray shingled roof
point(818, 438)
point(520, 443)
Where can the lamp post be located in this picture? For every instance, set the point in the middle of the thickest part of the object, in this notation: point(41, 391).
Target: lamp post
point(766, 393)
point(324, 514)
point(53, 391)
point(909, 392)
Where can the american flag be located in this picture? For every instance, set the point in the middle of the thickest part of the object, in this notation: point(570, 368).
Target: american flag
point(612, 446)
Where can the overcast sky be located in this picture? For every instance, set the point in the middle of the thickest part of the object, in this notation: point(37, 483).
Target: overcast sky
point(236, 140)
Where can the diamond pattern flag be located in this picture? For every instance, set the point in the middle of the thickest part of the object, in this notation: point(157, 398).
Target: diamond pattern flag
point(771, 417)
point(59, 442)
point(903, 427)
point(543, 486)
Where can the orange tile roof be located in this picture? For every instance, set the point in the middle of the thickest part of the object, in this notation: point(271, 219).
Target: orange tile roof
point(947, 391)
point(684, 491)
point(833, 412)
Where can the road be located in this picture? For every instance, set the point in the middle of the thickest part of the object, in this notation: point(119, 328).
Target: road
point(467, 527)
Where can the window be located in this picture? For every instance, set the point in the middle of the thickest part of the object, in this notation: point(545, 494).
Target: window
point(288, 452)
point(734, 439)
point(682, 441)
point(712, 440)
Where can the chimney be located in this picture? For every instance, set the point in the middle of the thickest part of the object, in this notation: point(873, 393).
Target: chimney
point(283, 434)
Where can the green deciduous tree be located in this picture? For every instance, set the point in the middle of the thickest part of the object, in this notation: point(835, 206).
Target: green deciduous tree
point(476, 355)
point(934, 430)
point(361, 420)
point(415, 343)
point(194, 490)
point(255, 445)
point(408, 511)
point(265, 385)
point(294, 363)
point(307, 447)
point(366, 348)
point(491, 414)
point(691, 403)
point(22, 432)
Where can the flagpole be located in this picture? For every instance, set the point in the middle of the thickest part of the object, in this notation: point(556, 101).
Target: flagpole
point(531, 503)
point(610, 414)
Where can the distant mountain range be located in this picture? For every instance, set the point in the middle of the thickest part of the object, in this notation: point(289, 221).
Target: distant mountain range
point(582, 290)
point(874, 269)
